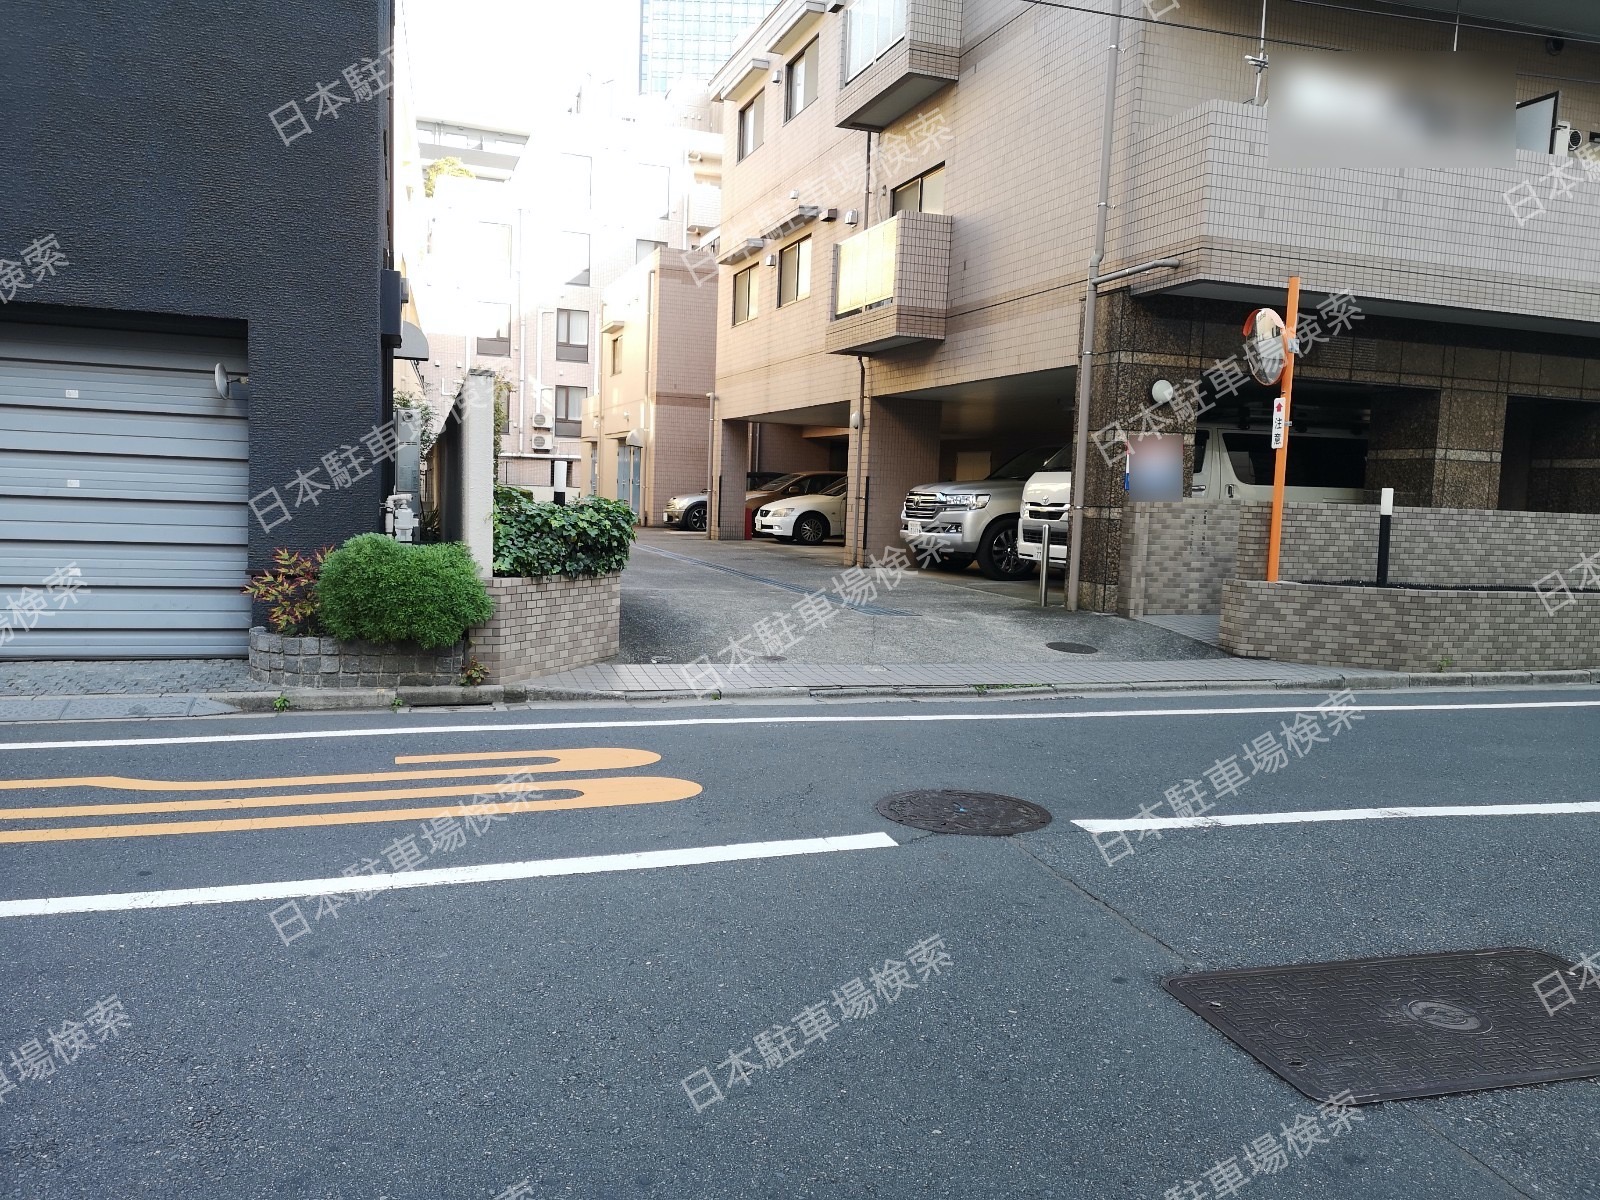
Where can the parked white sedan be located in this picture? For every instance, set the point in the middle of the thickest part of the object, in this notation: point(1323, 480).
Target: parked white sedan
point(805, 519)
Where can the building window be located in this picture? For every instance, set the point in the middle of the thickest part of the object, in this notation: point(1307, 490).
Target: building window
point(575, 179)
point(616, 355)
point(924, 194)
point(494, 322)
point(655, 192)
point(752, 117)
point(572, 335)
point(871, 27)
point(569, 410)
point(794, 272)
point(643, 249)
point(801, 87)
point(744, 296)
point(574, 266)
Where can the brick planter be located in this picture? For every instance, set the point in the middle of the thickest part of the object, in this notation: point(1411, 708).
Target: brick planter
point(553, 624)
point(1393, 629)
point(310, 662)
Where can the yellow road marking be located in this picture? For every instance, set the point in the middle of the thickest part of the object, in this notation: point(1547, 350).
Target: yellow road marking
point(223, 803)
point(494, 755)
point(601, 759)
point(595, 793)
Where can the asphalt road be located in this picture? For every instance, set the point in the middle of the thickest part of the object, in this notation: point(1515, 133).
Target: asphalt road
point(684, 596)
point(459, 1039)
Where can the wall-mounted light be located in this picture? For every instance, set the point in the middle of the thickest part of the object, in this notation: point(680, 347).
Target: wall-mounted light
point(855, 419)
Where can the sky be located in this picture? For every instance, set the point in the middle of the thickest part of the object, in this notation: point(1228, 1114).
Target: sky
point(503, 62)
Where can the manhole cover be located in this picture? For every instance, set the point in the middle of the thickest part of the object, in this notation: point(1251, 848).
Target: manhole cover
point(1071, 648)
point(1401, 1028)
point(980, 813)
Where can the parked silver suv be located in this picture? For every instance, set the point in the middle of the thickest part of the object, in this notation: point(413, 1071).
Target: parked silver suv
point(976, 519)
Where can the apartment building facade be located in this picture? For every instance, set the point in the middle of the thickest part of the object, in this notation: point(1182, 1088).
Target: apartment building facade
point(522, 250)
point(910, 204)
point(647, 434)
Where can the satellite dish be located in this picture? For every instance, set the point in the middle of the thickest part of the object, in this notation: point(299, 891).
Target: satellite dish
point(1263, 332)
point(219, 377)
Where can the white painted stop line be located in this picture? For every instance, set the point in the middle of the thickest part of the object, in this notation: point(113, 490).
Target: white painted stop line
point(484, 873)
point(1137, 824)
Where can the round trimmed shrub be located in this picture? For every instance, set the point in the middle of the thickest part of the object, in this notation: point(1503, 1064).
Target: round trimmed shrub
point(375, 589)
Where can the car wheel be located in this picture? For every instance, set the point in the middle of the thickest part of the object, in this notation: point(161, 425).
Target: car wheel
point(811, 530)
point(997, 553)
point(952, 563)
point(695, 519)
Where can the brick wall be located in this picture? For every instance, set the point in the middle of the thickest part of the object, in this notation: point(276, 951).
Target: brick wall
point(1456, 547)
point(545, 625)
point(1176, 557)
point(1393, 630)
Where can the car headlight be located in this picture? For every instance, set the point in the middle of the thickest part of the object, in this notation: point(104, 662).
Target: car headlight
point(971, 500)
point(778, 512)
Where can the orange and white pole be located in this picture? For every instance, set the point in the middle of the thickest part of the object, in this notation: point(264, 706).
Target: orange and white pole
point(1280, 466)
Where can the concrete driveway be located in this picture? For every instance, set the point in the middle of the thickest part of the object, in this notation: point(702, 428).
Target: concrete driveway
point(684, 596)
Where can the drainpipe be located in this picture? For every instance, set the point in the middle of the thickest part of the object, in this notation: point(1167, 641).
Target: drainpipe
point(861, 463)
point(711, 452)
point(1080, 452)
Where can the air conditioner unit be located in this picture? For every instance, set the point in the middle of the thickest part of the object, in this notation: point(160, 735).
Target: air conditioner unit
point(543, 420)
point(544, 443)
point(1567, 139)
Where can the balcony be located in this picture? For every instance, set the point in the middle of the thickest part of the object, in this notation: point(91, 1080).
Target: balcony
point(1434, 244)
point(897, 54)
point(892, 285)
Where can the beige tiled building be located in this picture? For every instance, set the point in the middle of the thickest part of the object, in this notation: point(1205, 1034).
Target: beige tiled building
point(941, 168)
point(646, 430)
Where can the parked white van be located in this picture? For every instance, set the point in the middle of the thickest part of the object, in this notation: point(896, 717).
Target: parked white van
point(1230, 465)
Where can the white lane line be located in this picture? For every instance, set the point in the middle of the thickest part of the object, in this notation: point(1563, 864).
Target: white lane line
point(486, 873)
point(918, 718)
point(1135, 824)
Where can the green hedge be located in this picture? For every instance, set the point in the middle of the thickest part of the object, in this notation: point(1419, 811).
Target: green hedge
point(375, 589)
point(591, 537)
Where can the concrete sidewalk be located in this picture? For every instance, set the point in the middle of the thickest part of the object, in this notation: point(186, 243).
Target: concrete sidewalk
point(686, 598)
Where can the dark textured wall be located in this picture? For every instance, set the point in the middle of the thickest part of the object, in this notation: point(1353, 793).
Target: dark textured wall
point(138, 134)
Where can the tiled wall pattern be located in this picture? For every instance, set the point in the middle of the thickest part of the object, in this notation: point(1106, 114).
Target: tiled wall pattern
point(930, 50)
point(667, 366)
point(1176, 557)
point(1392, 630)
point(1453, 547)
point(921, 289)
point(1203, 192)
point(545, 625)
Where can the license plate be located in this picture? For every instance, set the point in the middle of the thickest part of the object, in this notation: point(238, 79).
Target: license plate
point(914, 528)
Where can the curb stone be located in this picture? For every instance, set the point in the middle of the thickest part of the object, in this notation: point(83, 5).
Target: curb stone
point(499, 696)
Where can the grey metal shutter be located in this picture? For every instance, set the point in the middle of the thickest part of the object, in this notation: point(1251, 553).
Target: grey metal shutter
point(118, 456)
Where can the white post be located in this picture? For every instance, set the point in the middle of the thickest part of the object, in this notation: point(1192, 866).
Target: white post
point(475, 488)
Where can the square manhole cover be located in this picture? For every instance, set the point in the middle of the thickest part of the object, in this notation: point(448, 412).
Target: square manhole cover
point(1400, 1028)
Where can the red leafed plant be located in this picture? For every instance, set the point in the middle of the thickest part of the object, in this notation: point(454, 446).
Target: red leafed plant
point(289, 589)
